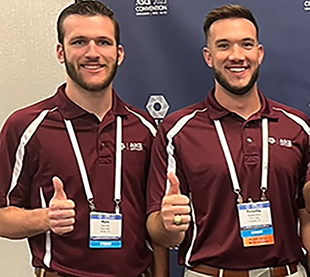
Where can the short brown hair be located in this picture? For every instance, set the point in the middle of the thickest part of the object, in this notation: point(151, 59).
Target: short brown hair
point(228, 11)
point(86, 8)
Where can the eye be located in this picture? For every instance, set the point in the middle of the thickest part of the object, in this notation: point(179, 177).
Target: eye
point(248, 45)
point(223, 46)
point(103, 42)
point(79, 42)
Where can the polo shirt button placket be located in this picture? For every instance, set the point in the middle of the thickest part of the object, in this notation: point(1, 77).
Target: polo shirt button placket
point(101, 145)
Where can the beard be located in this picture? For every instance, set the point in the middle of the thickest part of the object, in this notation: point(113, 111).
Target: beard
point(234, 89)
point(79, 80)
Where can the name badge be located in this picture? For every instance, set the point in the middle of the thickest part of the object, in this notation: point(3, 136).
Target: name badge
point(105, 230)
point(256, 224)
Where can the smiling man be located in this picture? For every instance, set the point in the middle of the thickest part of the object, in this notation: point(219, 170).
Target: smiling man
point(69, 180)
point(236, 164)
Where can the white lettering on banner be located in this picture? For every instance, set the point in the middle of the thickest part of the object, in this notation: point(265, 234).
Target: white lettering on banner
point(151, 7)
point(148, 2)
point(143, 2)
point(160, 2)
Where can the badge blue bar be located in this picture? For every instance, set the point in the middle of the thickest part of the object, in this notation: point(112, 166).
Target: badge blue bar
point(105, 244)
point(104, 216)
point(256, 232)
point(250, 206)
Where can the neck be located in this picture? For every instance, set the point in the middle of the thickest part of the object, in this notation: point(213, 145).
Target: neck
point(96, 102)
point(243, 105)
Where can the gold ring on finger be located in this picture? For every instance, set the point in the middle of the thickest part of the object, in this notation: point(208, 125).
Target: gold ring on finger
point(177, 219)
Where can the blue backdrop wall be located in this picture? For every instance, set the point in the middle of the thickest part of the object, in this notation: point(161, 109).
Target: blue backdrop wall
point(164, 51)
point(163, 40)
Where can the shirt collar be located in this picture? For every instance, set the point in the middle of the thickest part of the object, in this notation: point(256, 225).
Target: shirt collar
point(70, 110)
point(217, 111)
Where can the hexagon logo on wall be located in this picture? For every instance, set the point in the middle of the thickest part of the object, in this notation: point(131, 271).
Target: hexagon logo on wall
point(158, 107)
point(307, 5)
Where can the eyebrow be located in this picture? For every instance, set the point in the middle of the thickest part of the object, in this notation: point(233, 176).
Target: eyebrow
point(86, 37)
point(221, 40)
point(227, 40)
point(77, 37)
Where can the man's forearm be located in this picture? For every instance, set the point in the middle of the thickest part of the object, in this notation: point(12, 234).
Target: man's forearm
point(160, 266)
point(160, 235)
point(18, 223)
point(304, 218)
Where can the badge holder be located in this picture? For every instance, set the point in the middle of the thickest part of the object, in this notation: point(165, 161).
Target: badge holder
point(256, 223)
point(105, 230)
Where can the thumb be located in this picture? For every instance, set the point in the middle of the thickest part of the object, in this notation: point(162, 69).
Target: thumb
point(174, 184)
point(58, 189)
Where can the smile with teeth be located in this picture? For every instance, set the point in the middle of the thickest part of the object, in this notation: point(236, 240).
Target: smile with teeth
point(237, 69)
point(92, 66)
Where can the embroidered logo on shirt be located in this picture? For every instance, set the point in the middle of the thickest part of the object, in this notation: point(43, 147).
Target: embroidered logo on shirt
point(282, 142)
point(285, 142)
point(272, 140)
point(132, 146)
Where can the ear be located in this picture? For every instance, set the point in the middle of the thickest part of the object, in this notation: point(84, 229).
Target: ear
point(121, 54)
point(207, 56)
point(60, 53)
point(261, 53)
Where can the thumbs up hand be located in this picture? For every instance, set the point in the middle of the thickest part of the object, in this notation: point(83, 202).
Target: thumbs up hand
point(61, 214)
point(175, 210)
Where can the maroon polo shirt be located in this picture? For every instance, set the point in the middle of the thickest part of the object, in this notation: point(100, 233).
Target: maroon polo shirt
point(49, 152)
point(203, 172)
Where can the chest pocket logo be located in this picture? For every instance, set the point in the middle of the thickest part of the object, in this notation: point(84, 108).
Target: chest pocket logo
point(132, 146)
point(281, 142)
point(285, 142)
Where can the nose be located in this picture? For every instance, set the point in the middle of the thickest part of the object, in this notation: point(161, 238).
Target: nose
point(92, 51)
point(236, 53)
